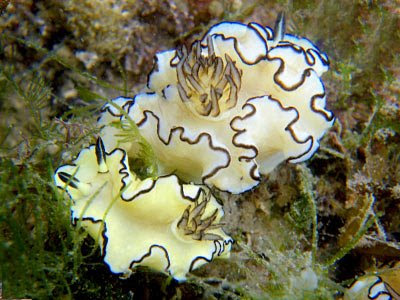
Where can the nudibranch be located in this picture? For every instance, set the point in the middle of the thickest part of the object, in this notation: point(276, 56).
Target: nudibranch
point(158, 223)
point(233, 106)
point(385, 286)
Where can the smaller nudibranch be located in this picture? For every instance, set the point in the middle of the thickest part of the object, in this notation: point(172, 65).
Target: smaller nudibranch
point(158, 223)
point(238, 102)
point(384, 286)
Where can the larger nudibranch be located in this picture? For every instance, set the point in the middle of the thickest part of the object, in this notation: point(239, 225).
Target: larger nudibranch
point(236, 104)
point(161, 223)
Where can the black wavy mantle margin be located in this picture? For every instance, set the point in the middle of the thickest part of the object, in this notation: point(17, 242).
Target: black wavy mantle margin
point(219, 247)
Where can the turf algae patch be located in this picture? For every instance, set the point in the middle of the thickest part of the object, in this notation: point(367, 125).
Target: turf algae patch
point(39, 254)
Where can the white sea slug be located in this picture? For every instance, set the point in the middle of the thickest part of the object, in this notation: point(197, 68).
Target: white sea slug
point(385, 285)
point(231, 107)
point(158, 223)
